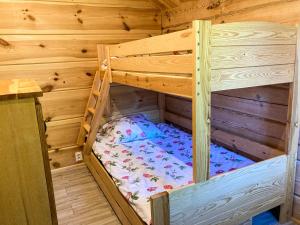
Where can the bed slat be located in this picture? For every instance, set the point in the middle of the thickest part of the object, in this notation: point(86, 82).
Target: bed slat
point(177, 41)
point(160, 64)
point(178, 85)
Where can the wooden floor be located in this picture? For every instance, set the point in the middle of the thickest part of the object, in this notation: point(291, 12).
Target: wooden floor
point(79, 201)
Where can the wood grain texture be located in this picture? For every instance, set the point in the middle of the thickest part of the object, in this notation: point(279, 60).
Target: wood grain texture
point(79, 200)
point(232, 11)
point(24, 194)
point(53, 76)
point(123, 210)
point(201, 97)
point(169, 84)
point(237, 202)
point(160, 64)
point(69, 18)
point(177, 41)
point(19, 88)
point(160, 211)
point(255, 125)
point(63, 157)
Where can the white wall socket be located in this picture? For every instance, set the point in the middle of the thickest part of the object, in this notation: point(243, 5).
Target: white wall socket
point(78, 156)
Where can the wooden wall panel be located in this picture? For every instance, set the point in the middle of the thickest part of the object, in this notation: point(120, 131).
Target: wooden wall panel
point(69, 18)
point(54, 76)
point(54, 42)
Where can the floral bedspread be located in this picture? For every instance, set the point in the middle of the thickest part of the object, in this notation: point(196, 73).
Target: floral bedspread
point(146, 167)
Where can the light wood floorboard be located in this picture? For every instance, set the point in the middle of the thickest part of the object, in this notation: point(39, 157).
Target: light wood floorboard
point(79, 201)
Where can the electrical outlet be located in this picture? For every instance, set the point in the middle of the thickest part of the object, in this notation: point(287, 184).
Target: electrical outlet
point(78, 156)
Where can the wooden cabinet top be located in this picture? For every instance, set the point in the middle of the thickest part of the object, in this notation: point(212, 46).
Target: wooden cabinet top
point(19, 88)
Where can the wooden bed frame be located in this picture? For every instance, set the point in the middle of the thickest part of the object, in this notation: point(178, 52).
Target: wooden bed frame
point(193, 63)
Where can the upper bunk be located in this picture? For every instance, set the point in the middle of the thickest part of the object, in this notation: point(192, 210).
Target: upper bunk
point(227, 56)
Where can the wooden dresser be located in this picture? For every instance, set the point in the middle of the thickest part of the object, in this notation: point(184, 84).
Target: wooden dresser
point(26, 191)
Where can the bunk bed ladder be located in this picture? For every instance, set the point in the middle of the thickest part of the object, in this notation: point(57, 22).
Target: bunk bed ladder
point(93, 116)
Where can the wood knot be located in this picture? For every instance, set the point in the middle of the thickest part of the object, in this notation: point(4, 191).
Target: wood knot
point(126, 27)
point(4, 43)
point(56, 164)
point(48, 119)
point(31, 17)
point(214, 4)
point(47, 88)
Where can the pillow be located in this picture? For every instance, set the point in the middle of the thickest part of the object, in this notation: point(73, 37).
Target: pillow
point(131, 128)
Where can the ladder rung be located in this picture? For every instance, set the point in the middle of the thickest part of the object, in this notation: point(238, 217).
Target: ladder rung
point(87, 127)
point(96, 93)
point(92, 110)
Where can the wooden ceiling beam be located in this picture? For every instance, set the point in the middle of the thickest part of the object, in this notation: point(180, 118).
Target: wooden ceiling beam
point(167, 4)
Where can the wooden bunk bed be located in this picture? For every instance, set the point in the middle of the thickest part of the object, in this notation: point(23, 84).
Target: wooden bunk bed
point(193, 63)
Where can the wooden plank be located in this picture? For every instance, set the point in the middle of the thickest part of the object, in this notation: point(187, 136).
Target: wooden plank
point(258, 129)
point(19, 88)
point(276, 12)
point(160, 212)
point(62, 133)
point(252, 56)
point(292, 137)
point(201, 101)
point(254, 128)
point(63, 157)
point(159, 64)
point(269, 94)
point(62, 105)
point(69, 18)
point(139, 4)
point(21, 49)
point(120, 205)
point(251, 149)
point(169, 84)
point(261, 109)
point(233, 11)
point(177, 41)
point(53, 76)
point(245, 146)
point(125, 100)
point(253, 33)
point(296, 208)
point(226, 79)
point(237, 202)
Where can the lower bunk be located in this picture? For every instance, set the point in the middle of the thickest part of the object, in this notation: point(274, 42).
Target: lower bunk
point(137, 163)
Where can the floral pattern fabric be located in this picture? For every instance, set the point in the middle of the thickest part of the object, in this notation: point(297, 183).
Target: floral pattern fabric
point(146, 167)
point(131, 128)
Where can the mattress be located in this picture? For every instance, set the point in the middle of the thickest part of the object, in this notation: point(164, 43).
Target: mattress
point(146, 167)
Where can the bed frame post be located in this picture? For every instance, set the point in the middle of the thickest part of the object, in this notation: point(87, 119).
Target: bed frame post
point(160, 210)
point(292, 138)
point(201, 98)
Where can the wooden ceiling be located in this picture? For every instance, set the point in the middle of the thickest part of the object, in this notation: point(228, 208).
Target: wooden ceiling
point(168, 4)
